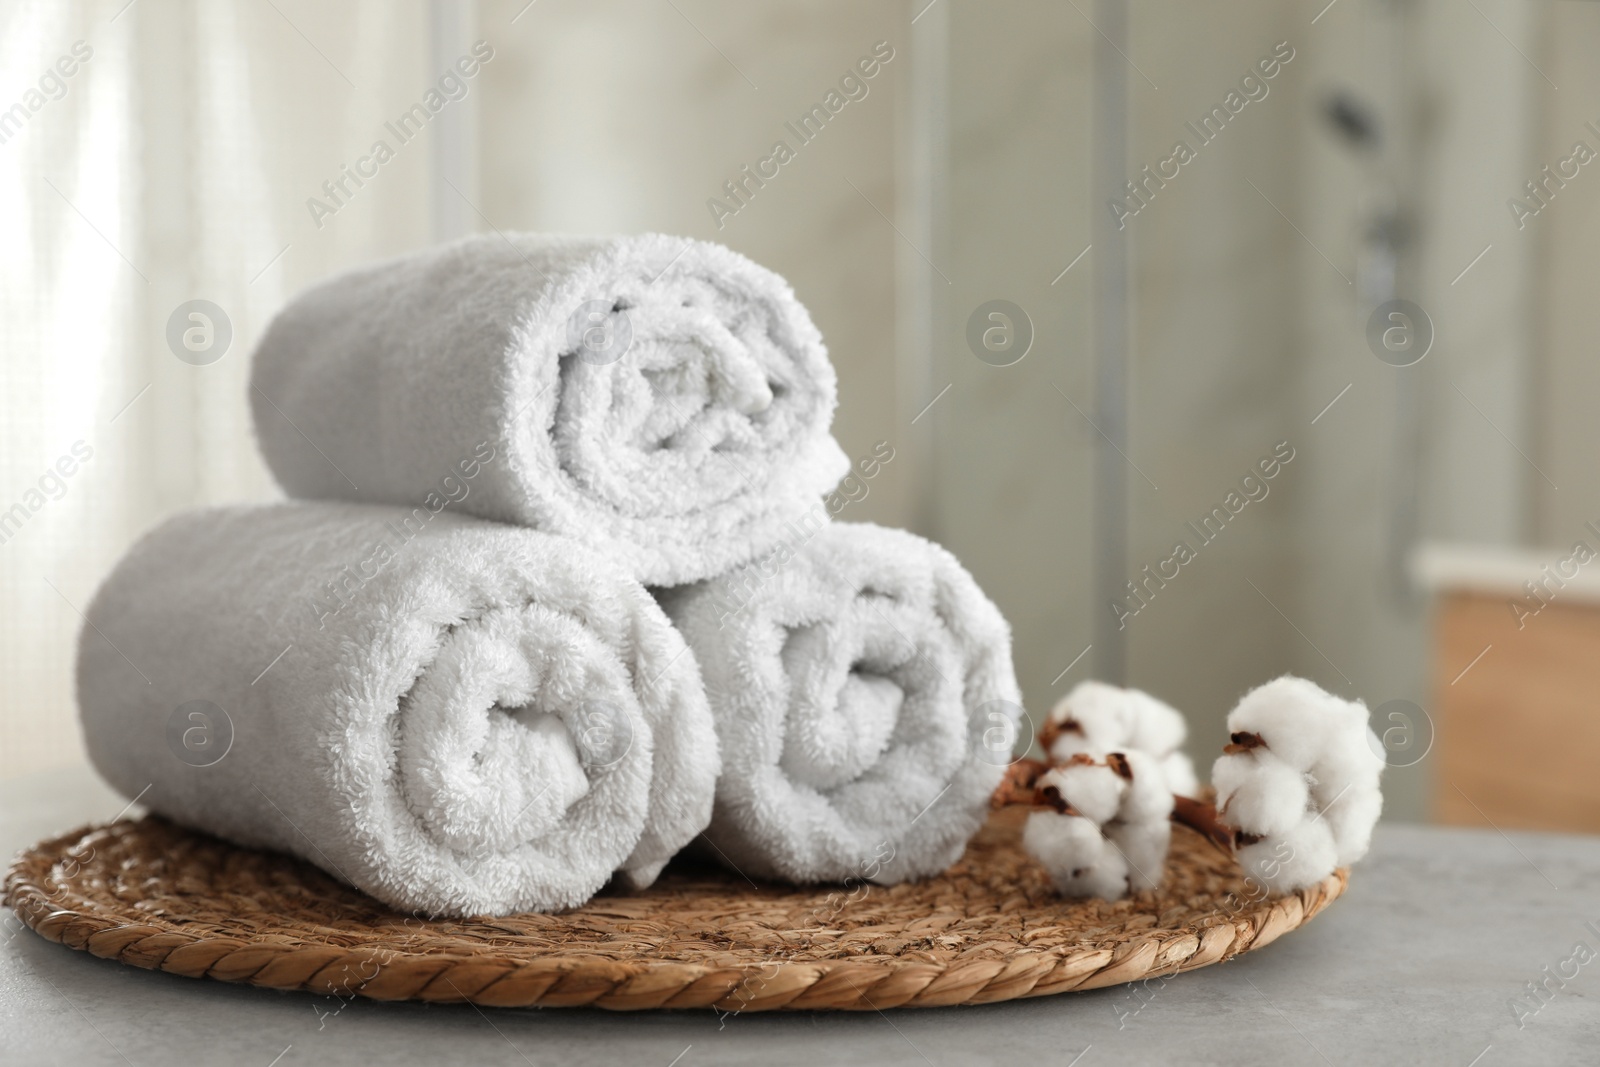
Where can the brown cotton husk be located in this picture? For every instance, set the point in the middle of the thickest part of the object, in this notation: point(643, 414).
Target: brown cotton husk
point(1052, 730)
point(1243, 742)
point(1017, 785)
point(1202, 816)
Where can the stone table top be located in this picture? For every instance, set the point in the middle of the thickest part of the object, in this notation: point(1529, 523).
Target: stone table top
point(1428, 958)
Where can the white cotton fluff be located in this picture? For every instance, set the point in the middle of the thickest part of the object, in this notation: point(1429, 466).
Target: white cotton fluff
point(1144, 846)
point(1181, 776)
point(1351, 819)
point(1303, 723)
point(1259, 793)
point(1124, 800)
point(1094, 789)
point(1079, 858)
point(1148, 796)
point(1097, 718)
point(1307, 786)
point(1283, 863)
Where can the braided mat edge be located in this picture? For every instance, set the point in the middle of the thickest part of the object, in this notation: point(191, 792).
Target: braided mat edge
point(151, 894)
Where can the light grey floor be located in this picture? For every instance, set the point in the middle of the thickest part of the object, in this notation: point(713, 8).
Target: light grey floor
point(1417, 964)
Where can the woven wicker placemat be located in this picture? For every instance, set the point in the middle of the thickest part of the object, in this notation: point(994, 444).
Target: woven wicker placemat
point(155, 895)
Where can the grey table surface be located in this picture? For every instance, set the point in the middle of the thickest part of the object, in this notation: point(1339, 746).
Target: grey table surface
point(1420, 962)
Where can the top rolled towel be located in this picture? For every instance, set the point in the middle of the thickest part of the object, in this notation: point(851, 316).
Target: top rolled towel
point(664, 398)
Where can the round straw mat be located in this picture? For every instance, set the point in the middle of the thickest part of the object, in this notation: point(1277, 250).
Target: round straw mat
point(155, 895)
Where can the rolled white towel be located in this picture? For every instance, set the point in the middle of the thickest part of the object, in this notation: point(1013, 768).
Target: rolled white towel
point(1097, 718)
point(1299, 781)
point(458, 717)
point(865, 701)
point(665, 399)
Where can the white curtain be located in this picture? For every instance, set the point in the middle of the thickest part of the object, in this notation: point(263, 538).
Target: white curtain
point(173, 163)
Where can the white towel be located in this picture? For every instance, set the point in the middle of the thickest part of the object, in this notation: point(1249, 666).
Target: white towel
point(664, 398)
point(865, 702)
point(456, 716)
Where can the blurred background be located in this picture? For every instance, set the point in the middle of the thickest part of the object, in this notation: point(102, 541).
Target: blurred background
point(1093, 269)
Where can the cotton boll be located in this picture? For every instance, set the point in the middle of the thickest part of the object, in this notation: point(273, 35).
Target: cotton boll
point(1374, 745)
point(1302, 857)
point(1125, 800)
point(1067, 745)
point(1292, 715)
point(1061, 841)
point(1345, 778)
point(1230, 771)
point(1093, 717)
point(1350, 752)
point(1349, 760)
point(1350, 819)
point(1313, 731)
point(1094, 789)
point(1107, 879)
point(1342, 774)
point(1153, 725)
point(1144, 845)
point(1259, 793)
point(1118, 773)
point(1147, 796)
point(1304, 786)
point(1106, 718)
point(1180, 774)
point(1078, 858)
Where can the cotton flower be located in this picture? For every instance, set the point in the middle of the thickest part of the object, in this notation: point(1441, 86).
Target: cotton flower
point(1103, 830)
point(1081, 861)
point(1283, 863)
point(1298, 782)
point(1097, 718)
point(1259, 792)
point(1094, 789)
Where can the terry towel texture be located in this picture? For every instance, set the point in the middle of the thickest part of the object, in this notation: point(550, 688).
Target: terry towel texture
point(666, 399)
point(458, 717)
point(856, 678)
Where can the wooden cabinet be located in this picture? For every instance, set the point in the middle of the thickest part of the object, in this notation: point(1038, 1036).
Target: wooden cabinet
point(1518, 731)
